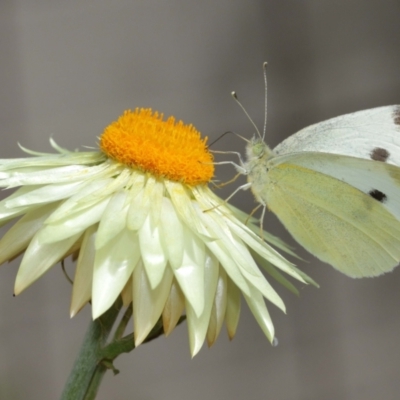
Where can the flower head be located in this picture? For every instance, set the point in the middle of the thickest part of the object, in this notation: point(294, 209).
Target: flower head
point(143, 223)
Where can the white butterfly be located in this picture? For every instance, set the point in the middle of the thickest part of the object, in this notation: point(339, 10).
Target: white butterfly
point(336, 188)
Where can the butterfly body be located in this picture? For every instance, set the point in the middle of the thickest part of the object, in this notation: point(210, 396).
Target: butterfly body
point(336, 188)
point(258, 155)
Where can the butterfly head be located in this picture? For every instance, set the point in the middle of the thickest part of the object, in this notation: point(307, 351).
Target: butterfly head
point(257, 149)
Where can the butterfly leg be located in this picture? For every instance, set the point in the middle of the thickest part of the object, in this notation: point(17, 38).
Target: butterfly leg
point(239, 168)
point(243, 187)
point(241, 162)
point(252, 213)
point(262, 221)
point(228, 182)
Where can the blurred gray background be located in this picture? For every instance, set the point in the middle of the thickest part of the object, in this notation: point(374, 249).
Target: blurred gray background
point(67, 69)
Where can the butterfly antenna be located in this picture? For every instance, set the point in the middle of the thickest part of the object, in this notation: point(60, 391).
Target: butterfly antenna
point(234, 95)
point(265, 100)
point(226, 133)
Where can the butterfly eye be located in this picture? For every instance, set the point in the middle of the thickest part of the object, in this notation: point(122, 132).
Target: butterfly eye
point(258, 149)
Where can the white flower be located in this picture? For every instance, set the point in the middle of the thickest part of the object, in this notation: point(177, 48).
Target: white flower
point(144, 225)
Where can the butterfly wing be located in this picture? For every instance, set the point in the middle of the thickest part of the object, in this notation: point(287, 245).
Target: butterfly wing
point(369, 134)
point(334, 215)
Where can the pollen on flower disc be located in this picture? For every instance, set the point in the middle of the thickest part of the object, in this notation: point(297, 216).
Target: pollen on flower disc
point(169, 149)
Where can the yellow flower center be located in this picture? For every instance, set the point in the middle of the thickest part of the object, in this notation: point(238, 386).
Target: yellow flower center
point(168, 149)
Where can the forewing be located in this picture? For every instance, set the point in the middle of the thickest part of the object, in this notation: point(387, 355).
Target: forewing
point(369, 134)
point(336, 222)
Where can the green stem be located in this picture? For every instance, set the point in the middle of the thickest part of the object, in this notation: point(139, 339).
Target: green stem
point(97, 353)
point(80, 384)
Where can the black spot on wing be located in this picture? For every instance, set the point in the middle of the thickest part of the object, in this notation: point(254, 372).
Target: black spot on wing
point(378, 195)
point(396, 115)
point(379, 154)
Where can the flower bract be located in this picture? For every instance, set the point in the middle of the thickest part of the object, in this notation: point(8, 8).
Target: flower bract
point(142, 223)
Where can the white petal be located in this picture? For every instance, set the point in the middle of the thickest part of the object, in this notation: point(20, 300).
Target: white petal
point(39, 258)
point(32, 152)
point(113, 266)
point(136, 183)
point(235, 215)
point(173, 308)
point(140, 206)
point(55, 175)
point(126, 293)
point(180, 198)
point(7, 213)
point(171, 234)
point(156, 202)
point(190, 275)
point(230, 266)
point(148, 303)
point(257, 306)
point(182, 202)
point(250, 270)
point(45, 194)
point(218, 310)
point(153, 255)
point(58, 148)
point(265, 251)
point(198, 325)
point(92, 194)
point(73, 224)
point(239, 252)
point(84, 198)
point(18, 237)
point(51, 160)
point(226, 260)
point(113, 220)
point(82, 288)
point(185, 207)
point(232, 309)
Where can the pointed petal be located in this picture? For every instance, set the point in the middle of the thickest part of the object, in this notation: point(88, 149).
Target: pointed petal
point(186, 208)
point(18, 237)
point(172, 234)
point(45, 194)
point(139, 208)
point(113, 220)
point(265, 251)
point(153, 256)
point(240, 253)
point(219, 309)
point(46, 176)
point(229, 264)
point(74, 224)
point(190, 275)
point(232, 309)
point(225, 258)
point(7, 213)
point(113, 266)
point(173, 308)
point(58, 148)
point(92, 194)
point(148, 303)
point(198, 324)
point(39, 258)
point(257, 306)
point(157, 196)
point(82, 288)
point(274, 273)
point(126, 293)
